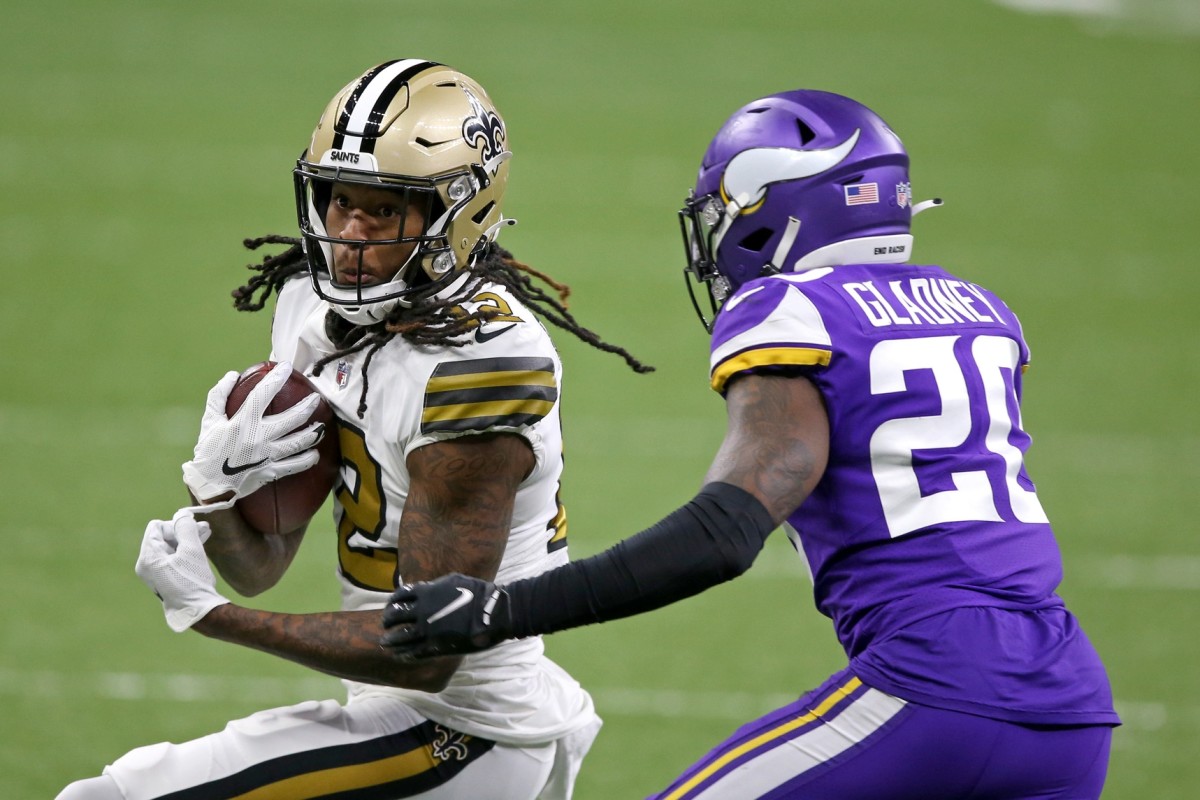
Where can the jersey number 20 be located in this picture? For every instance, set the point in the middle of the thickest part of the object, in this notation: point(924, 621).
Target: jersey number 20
point(993, 359)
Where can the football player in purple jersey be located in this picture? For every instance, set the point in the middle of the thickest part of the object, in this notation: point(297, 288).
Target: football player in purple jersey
point(874, 413)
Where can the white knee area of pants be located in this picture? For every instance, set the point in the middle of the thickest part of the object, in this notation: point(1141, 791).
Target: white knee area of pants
point(100, 788)
point(504, 772)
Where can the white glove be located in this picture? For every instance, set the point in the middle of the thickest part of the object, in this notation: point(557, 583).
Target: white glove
point(241, 454)
point(173, 564)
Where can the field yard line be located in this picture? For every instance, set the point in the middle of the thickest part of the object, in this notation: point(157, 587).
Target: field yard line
point(1178, 572)
point(1144, 715)
point(1109, 453)
point(1176, 16)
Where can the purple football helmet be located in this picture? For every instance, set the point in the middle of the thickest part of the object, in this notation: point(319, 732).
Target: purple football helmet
point(793, 181)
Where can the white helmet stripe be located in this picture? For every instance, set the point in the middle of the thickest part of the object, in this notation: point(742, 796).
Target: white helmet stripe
point(750, 172)
point(367, 105)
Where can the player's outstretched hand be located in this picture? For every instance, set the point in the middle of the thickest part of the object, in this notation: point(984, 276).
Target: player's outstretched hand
point(173, 564)
point(237, 455)
point(452, 615)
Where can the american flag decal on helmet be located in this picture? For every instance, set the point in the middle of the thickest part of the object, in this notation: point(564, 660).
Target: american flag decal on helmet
point(488, 393)
point(861, 194)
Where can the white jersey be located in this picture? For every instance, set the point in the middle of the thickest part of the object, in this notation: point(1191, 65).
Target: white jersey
point(505, 379)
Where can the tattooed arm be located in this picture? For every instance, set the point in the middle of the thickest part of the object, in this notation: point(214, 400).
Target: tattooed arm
point(249, 561)
point(456, 519)
point(776, 443)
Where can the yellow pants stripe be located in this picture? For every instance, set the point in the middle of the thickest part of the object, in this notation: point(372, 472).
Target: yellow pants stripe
point(343, 779)
point(787, 727)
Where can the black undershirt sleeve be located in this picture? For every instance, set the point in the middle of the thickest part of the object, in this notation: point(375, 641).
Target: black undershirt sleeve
point(712, 539)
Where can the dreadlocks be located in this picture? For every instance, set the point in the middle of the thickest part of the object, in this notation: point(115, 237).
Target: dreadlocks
point(429, 320)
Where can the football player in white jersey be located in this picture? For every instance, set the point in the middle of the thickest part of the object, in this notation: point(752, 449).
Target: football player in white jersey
point(420, 332)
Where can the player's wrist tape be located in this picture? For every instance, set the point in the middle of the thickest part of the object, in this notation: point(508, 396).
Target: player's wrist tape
point(712, 539)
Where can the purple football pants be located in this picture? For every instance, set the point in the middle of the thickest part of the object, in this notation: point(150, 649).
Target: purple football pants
point(847, 741)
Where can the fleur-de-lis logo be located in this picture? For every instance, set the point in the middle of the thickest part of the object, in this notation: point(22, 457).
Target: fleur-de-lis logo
point(448, 744)
point(483, 129)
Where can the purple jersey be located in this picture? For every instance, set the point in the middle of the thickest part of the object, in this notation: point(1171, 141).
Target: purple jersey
point(925, 538)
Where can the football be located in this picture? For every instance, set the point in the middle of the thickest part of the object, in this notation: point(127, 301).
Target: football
point(290, 502)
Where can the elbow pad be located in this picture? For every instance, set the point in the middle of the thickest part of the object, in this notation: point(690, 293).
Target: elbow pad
point(712, 539)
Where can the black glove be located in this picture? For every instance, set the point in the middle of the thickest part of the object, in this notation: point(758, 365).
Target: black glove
point(452, 615)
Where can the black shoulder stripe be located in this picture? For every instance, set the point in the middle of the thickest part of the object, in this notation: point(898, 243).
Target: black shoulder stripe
point(487, 393)
point(481, 365)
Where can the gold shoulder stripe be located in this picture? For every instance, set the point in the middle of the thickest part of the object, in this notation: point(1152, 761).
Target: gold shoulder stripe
point(487, 393)
point(558, 528)
point(479, 366)
point(767, 357)
point(482, 411)
point(480, 380)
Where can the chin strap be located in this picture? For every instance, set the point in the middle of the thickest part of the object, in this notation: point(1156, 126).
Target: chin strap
point(786, 241)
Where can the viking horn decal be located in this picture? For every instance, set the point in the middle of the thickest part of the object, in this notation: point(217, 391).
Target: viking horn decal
point(751, 171)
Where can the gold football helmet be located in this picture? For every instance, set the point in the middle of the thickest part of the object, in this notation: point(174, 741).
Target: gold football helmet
point(432, 135)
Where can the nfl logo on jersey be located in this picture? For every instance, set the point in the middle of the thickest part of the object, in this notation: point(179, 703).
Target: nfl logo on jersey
point(343, 374)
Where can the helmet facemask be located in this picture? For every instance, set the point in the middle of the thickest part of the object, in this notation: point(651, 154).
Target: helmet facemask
point(702, 221)
point(705, 221)
point(431, 263)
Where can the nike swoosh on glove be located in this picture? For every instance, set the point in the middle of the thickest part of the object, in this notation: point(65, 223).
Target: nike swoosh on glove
point(173, 564)
point(452, 615)
point(235, 456)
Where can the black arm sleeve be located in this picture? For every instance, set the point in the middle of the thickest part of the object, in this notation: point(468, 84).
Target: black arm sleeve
point(712, 539)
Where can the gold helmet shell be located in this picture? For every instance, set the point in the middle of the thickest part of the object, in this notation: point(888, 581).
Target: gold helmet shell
point(422, 129)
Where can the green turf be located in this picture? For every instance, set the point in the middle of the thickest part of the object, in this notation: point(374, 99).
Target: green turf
point(142, 140)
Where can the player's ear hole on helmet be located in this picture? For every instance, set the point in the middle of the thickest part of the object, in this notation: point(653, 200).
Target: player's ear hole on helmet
point(481, 215)
point(756, 240)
